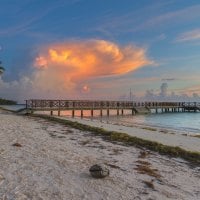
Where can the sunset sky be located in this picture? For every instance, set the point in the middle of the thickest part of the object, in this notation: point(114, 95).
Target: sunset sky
point(100, 49)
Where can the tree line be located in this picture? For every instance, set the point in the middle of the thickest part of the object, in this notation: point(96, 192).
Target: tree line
point(7, 102)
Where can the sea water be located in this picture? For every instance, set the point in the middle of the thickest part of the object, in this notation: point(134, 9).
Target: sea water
point(184, 122)
point(13, 107)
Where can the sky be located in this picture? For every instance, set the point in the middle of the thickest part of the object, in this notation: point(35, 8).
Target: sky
point(100, 49)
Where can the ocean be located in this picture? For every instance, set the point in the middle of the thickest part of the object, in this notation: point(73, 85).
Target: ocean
point(13, 107)
point(181, 122)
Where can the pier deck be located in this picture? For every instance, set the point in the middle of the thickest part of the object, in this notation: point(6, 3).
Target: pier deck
point(135, 107)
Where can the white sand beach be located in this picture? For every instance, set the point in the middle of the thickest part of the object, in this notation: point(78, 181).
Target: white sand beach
point(166, 137)
point(52, 161)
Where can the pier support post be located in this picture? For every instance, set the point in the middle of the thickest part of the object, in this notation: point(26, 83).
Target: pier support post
point(51, 112)
point(59, 108)
point(73, 112)
point(92, 113)
point(101, 112)
point(81, 113)
point(122, 111)
point(156, 110)
point(117, 111)
point(108, 112)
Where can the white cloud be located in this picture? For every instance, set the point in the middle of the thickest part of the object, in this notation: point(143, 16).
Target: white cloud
point(189, 36)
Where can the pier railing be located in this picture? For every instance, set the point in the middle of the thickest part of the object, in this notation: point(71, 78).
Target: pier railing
point(37, 104)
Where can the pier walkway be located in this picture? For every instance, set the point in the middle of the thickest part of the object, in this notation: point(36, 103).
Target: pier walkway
point(136, 107)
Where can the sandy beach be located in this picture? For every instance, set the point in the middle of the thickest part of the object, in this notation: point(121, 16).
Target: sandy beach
point(164, 136)
point(40, 159)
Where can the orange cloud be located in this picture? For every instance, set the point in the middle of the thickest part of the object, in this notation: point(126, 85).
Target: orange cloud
point(79, 60)
point(40, 62)
point(65, 69)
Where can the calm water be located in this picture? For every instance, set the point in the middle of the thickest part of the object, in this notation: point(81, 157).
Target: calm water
point(13, 107)
point(184, 122)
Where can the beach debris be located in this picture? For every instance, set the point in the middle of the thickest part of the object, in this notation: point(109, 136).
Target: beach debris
point(146, 169)
point(56, 136)
point(149, 184)
point(61, 136)
point(1, 179)
point(52, 135)
point(143, 154)
point(117, 151)
point(113, 166)
point(99, 171)
point(17, 145)
point(85, 142)
point(1, 151)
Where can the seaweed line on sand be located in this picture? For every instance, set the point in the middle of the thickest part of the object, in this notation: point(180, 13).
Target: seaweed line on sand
point(192, 157)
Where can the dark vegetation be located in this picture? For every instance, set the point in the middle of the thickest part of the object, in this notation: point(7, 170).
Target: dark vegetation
point(146, 169)
point(192, 157)
point(7, 102)
point(197, 136)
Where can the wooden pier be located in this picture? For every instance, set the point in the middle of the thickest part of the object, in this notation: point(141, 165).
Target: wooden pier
point(135, 107)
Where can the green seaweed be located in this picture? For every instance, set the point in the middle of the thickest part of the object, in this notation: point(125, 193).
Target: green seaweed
point(192, 157)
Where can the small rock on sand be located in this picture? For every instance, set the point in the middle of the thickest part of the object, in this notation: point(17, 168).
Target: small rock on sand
point(99, 171)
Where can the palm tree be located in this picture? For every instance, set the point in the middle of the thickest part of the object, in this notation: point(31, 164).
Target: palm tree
point(1, 69)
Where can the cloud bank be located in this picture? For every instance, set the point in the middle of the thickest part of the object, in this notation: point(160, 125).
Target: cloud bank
point(166, 95)
point(62, 70)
